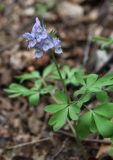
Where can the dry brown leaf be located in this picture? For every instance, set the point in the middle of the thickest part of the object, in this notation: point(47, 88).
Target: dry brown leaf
point(103, 150)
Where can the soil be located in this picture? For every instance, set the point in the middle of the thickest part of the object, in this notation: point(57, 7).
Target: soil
point(24, 132)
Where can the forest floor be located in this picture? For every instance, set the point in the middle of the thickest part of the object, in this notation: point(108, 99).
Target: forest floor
point(24, 132)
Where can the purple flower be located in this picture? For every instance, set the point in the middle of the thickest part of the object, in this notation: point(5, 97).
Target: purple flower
point(30, 38)
point(38, 31)
point(37, 34)
point(47, 44)
point(57, 46)
point(41, 41)
point(38, 54)
point(36, 25)
point(43, 46)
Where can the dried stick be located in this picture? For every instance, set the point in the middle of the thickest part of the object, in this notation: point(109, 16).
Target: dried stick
point(27, 143)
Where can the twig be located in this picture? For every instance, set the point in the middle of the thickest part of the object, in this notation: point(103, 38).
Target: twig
point(27, 143)
point(107, 142)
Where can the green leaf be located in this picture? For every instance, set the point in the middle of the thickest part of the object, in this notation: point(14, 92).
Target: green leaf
point(48, 70)
point(16, 90)
point(93, 127)
point(15, 95)
point(53, 119)
point(70, 73)
point(107, 44)
point(30, 92)
point(104, 126)
point(54, 76)
point(38, 84)
point(53, 108)
point(34, 99)
point(74, 111)
point(61, 97)
point(85, 98)
point(81, 91)
point(83, 127)
point(105, 110)
point(46, 89)
point(51, 72)
point(103, 41)
point(67, 69)
point(100, 39)
point(58, 119)
point(29, 76)
point(94, 89)
point(105, 80)
point(14, 86)
point(102, 96)
point(91, 79)
point(94, 85)
point(79, 78)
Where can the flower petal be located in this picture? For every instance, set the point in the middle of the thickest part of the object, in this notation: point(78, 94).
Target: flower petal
point(56, 42)
point(47, 44)
point(37, 21)
point(32, 43)
point(38, 54)
point(28, 36)
point(58, 50)
point(36, 26)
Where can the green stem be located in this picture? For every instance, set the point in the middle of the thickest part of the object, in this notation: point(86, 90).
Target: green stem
point(72, 128)
point(61, 78)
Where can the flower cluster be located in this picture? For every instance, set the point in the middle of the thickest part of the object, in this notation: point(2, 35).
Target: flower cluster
point(41, 41)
